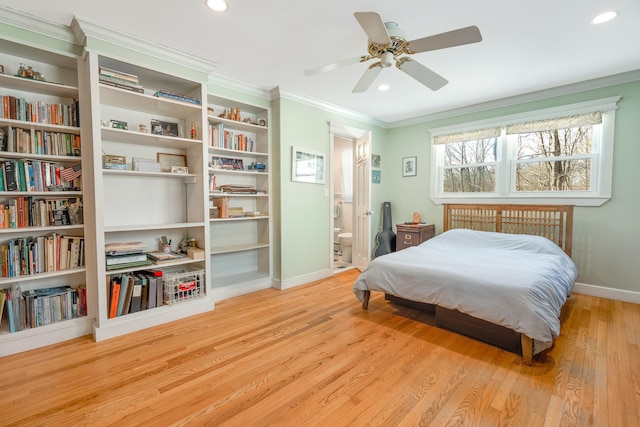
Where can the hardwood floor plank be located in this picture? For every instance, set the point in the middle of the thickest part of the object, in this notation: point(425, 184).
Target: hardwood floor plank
point(311, 356)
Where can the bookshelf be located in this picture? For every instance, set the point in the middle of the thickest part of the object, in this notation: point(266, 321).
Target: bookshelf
point(41, 138)
point(239, 184)
point(143, 205)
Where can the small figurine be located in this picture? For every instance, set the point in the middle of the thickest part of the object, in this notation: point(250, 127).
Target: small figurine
point(143, 128)
point(193, 130)
point(237, 115)
point(223, 114)
point(416, 217)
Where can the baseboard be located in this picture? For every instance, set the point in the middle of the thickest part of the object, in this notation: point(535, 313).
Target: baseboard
point(302, 280)
point(608, 293)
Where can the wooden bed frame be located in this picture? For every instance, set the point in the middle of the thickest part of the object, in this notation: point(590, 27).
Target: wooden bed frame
point(554, 222)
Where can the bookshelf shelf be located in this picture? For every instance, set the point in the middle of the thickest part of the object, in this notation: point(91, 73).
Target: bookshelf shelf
point(39, 126)
point(143, 102)
point(239, 125)
point(237, 248)
point(57, 228)
point(147, 227)
point(45, 157)
point(244, 218)
point(185, 261)
point(189, 178)
point(236, 153)
point(40, 276)
point(38, 87)
point(140, 138)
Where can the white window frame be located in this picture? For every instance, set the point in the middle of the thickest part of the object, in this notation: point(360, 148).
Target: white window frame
point(602, 164)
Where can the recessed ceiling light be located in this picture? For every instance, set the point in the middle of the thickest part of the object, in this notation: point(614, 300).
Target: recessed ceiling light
point(216, 5)
point(383, 87)
point(604, 17)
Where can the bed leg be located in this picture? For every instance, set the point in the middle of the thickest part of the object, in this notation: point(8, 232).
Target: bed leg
point(365, 301)
point(527, 349)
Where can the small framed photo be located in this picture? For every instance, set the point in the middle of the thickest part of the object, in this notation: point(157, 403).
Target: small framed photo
point(159, 127)
point(375, 160)
point(168, 160)
point(409, 166)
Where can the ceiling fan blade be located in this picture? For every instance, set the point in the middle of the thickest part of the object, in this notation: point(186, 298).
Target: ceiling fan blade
point(429, 78)
point(371, 23)
point(367, 78)
point(453, 38)
point(335, 65)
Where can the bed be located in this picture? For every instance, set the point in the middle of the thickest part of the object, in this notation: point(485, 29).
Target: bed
point(498, 273)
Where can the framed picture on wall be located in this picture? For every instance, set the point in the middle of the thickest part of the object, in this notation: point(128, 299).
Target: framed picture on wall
point(409, 166)
point(307, 165)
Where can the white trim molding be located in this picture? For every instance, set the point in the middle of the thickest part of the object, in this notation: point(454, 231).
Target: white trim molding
point(608, 293)
point(83, 28)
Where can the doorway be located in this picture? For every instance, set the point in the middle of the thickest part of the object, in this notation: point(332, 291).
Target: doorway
point(342, 203)
point(358, 141)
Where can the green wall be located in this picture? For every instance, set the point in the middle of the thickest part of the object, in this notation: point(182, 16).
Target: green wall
point(304, 212)
point(606, 239)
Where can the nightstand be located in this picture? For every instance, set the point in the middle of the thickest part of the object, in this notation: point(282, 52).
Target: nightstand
point(413, 234)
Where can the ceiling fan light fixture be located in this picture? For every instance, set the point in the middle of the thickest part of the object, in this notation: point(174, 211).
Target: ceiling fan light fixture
point(386, 60)
point(604, 17)
point(216, 5)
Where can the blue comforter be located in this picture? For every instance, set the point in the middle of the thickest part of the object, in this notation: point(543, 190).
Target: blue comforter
point(517, 281)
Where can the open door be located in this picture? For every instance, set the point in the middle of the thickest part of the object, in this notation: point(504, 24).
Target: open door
point(362, 202)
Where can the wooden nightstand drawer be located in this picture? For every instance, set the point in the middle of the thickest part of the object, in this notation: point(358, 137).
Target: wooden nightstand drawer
point(413, 235)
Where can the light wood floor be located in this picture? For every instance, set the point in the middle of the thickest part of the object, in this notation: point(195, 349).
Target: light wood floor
point(310, 356)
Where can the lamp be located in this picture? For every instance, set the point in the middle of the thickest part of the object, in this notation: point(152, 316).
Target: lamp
point(216, 5)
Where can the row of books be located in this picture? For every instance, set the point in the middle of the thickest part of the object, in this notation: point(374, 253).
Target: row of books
point(26, 211)
point(26, 256)
point(177, 97)
point(33, 175)
point(133, 292)
point(220, 137)
point(15, 108)
point(17, 140)
point(120, 79)
point(39, 307)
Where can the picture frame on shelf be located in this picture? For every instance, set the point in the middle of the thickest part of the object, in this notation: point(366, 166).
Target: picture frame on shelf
point(307, 165)
point(159, 127)
point(409, 166)
point(169, 160)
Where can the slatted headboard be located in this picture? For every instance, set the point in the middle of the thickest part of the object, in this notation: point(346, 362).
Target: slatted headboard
point(551, 221)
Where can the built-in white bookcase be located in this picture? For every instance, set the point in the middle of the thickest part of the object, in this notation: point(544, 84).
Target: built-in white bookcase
point(56, 83)
point(239, 154)
point(141, 206)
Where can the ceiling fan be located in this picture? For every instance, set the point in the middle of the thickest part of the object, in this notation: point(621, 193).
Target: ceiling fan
point(387, 43)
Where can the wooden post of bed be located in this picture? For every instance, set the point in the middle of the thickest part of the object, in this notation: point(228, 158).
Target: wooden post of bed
point(527, 349)
point(365, 300)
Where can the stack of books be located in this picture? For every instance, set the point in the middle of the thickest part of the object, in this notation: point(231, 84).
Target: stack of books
point(120, 255)
point(238, 189)
point(158, 257)
point(120, 80)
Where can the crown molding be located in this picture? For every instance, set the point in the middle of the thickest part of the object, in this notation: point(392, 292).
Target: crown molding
point(239, 86)
point(278, 92)
point(569, 89)
point(36, 24)
point(83, 28)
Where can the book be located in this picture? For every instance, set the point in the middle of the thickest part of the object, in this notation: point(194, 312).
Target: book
point(124, 284)
point(152, 285)
point(136, 295)
point(115, 297)
point(127, 299)
point(125, 259)
point(12, 323)
point(3, 300)
point(129, 265)
point(160, 257)
point(122, 248)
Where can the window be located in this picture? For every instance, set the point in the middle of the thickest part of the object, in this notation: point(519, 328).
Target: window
point(559, 155)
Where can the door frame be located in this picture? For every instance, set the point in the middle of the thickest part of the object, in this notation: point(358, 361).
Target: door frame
point(341, 130)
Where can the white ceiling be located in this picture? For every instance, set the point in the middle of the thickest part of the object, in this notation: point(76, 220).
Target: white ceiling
point(527, 46)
